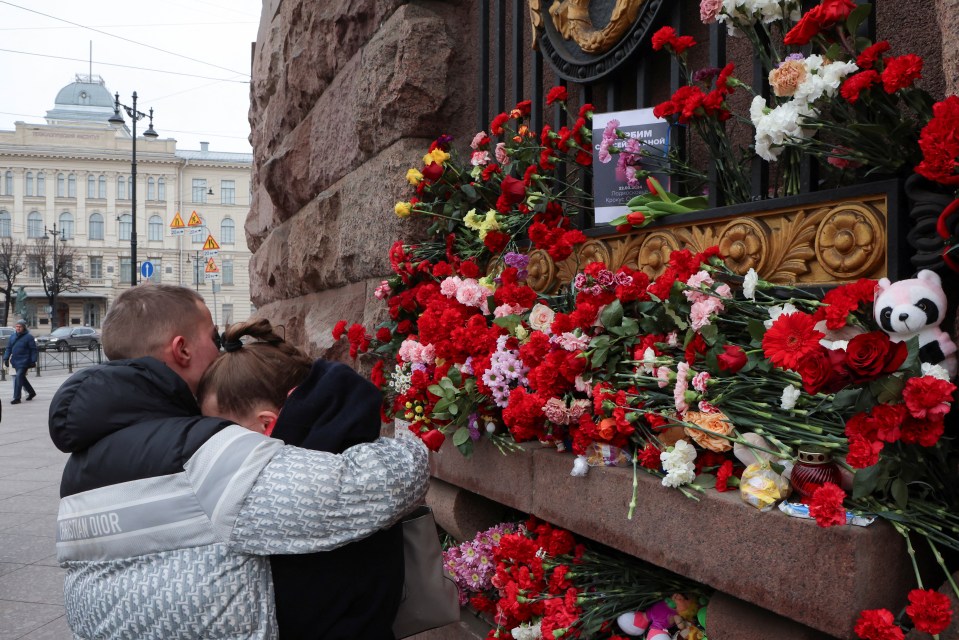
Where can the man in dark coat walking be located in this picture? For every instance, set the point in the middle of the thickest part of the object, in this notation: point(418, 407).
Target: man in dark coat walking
point(21, 353)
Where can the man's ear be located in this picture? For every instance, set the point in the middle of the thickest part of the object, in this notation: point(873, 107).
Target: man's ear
point(179, 351)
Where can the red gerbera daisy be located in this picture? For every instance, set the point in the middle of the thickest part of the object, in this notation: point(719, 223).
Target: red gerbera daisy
point(792, 337)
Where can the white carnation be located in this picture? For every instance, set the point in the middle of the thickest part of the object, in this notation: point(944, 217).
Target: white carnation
point(790, 396)
point(935, 371)
point(775, 126)
point(580, 468)
point(680, 476)
point(749, 284)
point(527, 632)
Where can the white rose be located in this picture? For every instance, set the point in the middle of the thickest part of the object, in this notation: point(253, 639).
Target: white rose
point(541, 318)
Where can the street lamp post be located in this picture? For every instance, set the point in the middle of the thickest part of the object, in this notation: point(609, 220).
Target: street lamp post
point(55, 284)
point(117, 119)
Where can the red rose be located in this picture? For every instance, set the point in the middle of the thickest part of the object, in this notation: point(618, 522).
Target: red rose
point(816, 371)
point(513, 190)
point(433, 171)
point(832, 11)
point(826, 505)
point(433, 439)
point(878, 624)
point(732, 359)
point(929, 610)
point(866, 354)
point(805, 30)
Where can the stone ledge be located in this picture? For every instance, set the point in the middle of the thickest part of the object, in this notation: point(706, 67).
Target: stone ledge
point(818, 577)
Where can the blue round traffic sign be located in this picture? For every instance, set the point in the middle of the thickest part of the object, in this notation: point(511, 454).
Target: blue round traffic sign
point(146, 269)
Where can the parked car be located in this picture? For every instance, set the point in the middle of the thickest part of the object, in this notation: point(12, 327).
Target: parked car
point(69, 338)
point(5, 333)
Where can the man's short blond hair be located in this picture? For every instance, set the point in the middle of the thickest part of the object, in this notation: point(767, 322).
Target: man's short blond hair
point(143, 319)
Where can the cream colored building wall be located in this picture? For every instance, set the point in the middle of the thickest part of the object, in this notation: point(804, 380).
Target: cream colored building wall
point(95, 150)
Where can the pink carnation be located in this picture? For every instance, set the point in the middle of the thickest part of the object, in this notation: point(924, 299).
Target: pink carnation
point(709, 9)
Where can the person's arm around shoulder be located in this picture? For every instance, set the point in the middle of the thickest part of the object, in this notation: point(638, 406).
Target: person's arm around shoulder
point(284, 499)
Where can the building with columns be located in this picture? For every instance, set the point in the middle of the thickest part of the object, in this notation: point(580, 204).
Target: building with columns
point(74, 170)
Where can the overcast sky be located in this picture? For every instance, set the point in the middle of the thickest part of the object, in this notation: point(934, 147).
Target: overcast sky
point(191, 59)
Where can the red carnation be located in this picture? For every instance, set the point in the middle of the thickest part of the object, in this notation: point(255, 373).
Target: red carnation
point(857, 83)
point(732, 359)
point(339, 329)
point(878, 624)
point(928, 397)
point(929, 610)
point(496, 126)
point(723, 474)
point(901, 72)
point(863, 453)
point(826, 505)
point(556, 94)
point(496, 241)
point(792, 337)
point(939, 144)
point(871, 54)
point(649, 457)
point(662, 37)
point(383, 334)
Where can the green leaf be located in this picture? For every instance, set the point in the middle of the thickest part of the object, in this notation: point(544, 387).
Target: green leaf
point(846, 399)
point(865, 481)
point(508, 322)
point(469, 191)
point(448, 385)
point(775, 466)
point(756, 329)
point(612, 315)
point(706, 480)
point(630, 327)
point(680, 323)
point(912, 363)
point(460, 436)
point(856, 18)
point(436, 390)
point(455, 376)
point(834, 52)
point(900, 493)
point(598, 356)
point(887, 390)
point(454, 409)
point(710, 332)
point(599, 342)
point(466, 448)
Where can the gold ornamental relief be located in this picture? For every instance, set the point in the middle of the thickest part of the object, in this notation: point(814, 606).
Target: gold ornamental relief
point(850, 240)
point(572, 21)
point(541, 272)
point(743, 244)
point(654, 253)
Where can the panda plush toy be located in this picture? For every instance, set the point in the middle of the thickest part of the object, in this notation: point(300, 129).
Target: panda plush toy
point(916, 307)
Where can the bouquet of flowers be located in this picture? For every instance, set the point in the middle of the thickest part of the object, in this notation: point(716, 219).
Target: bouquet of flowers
point(536, 581)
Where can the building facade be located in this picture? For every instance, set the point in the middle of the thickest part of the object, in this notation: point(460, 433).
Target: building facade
point(74, 172)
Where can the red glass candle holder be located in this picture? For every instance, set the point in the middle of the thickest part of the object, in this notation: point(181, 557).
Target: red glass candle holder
point(813, 468)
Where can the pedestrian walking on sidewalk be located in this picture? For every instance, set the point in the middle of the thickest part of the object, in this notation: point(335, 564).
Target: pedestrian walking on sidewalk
point(21, 354)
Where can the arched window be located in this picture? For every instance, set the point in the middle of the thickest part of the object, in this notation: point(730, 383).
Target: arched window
point(95, 227)
point(161, 189)
point(91, 187)
point(66, 224)
point(4, 224)
point(34, 225)
point(41, 184)
point(151, 189)
point(102, 187)
point(126, 226)
point(228, 231)
point(61, 185)
point(155, 228)
point(28, 184)
point(71, 186)
point(122, 188)
point(8, 183)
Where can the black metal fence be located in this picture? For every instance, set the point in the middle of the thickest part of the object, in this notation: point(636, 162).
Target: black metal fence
point(68, 361)
point(632, 78)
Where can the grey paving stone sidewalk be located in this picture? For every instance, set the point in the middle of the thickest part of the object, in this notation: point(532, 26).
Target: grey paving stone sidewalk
point(31, 583)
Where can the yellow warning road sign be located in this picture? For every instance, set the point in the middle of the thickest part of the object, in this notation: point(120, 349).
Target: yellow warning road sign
point(194, 220)
point(212, 271)
point(210, 244)
point(176, 227)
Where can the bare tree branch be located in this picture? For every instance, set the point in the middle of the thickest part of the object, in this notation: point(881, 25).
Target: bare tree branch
point(66, 278)
point(12, 264)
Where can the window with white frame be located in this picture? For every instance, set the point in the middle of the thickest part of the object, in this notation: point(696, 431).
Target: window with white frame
point(102, 187)
point(124, 272)
point(151, 189)
point(155, 229)
point(41, 184)
point(91, 187)
point(61, 185)
point(199, 190)
point(71, 186)
point(8, 183)
point(126, 226)
point(227, 191)
point(122, 188)
point(95, 227)
point(161, 189)
point(5, 224)
point(35, 225)
point(33, 266)
point(227, 231)
point(226, 271)
point(66, 225)
point(96, 267)
point(28, 184)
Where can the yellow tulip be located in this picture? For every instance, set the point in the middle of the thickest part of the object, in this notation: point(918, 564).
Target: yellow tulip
point(403, 209)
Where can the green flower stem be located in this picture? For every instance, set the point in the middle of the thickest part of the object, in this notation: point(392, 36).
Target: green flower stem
point(632, 502)
point(904, 531)
point(942, 564)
